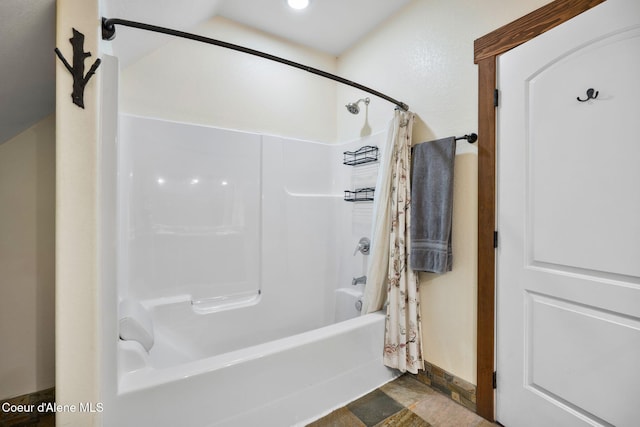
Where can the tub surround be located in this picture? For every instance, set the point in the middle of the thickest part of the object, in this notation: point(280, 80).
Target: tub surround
point(199, 204)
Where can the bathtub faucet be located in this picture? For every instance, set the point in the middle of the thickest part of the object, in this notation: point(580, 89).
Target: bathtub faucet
point(358, 280)
point(363, 246)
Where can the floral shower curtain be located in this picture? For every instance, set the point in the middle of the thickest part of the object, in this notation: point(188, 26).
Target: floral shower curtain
point(389, 264)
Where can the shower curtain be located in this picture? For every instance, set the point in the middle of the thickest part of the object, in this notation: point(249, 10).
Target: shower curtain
point(389, 276)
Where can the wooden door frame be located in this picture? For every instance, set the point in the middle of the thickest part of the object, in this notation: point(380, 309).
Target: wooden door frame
point(486, 50)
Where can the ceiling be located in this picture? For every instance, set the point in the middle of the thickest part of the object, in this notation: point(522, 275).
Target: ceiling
point(330, 26)
point(27, 38)
point(27, 67)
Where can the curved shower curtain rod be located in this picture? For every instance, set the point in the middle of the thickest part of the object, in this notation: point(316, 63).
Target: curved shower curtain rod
point(109, 33)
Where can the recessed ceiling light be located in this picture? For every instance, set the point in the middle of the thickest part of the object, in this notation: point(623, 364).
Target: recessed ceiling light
point(298, 4)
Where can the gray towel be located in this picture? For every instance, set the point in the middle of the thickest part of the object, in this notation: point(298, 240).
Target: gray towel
point(432, 205)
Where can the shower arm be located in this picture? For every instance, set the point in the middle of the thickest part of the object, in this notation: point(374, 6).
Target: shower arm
point(109, 33)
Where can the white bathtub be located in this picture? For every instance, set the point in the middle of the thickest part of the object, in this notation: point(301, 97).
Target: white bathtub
point(242, 270)
point(286, 382)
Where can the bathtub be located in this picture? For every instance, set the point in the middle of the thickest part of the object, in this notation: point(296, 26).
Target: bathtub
point(286, 382)
point(241, 262)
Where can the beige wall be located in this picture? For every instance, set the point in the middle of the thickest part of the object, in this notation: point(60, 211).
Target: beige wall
point(423, 56)
point(198, 83)
point(77, 142)
point(27, 207)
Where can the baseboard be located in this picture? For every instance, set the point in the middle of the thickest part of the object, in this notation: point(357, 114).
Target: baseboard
point(455, 388)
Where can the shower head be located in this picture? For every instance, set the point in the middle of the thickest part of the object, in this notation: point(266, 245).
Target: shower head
point(353, 108)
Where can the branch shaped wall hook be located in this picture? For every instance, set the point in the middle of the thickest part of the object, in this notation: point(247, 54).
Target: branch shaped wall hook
point(77, 71)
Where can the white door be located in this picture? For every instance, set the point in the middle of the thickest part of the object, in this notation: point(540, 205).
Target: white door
point(568, 260)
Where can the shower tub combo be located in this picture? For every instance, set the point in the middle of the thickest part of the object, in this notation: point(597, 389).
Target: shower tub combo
point(234, 259)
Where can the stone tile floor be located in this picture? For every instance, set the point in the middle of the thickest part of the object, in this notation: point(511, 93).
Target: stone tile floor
point(29, 419)
point(44, 420)
point(404, 402)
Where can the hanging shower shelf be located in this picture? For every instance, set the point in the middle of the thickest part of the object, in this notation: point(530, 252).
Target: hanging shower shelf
point(366, 154)
point(359, 195)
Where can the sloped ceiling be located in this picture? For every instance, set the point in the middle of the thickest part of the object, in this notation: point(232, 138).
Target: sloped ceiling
point(330, 26)
point(27, 38)
point(27, 64)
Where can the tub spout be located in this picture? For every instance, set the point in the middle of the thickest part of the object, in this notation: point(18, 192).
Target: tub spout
point(358, 280)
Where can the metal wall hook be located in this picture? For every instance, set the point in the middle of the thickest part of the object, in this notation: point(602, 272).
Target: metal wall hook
point(591, 94)
point(80, 79)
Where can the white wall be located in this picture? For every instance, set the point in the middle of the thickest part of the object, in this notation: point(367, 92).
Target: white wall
point(27, 201)
point(199, 83)
point(423, 56)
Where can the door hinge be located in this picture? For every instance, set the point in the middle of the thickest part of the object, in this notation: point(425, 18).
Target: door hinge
point(495, 381)
point(495, 239)
point(496, 97)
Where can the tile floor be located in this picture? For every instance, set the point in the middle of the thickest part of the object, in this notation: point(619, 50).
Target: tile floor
point(404, 402)
point(48, 420)
point(29, 419)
